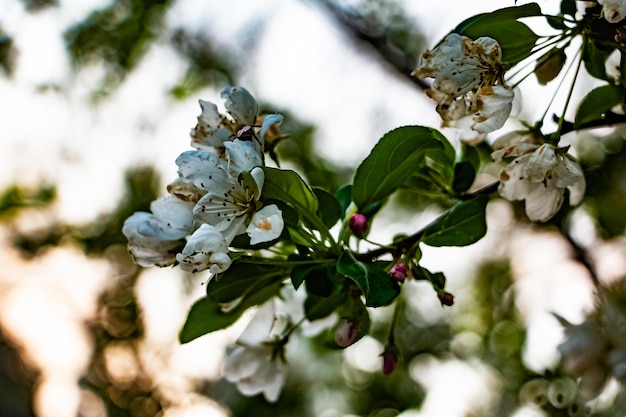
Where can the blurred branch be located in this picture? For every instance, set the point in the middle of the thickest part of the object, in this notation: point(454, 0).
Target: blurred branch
point(384, 43)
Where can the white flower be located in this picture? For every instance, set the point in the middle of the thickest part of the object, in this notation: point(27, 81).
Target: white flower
point(257, 364)
point(468, 86)
point(266, 225)
point(153, 237)
point(539, 175)
point(479, 113)
point(614, 11)
point(214, 129)
point(459, 64)
point(205, 249)
point(232, 189)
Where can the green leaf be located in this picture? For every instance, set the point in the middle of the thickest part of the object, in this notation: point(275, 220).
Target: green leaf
point(437, 279)
point(243, 278)
point(329, 210)
point(462, 225)
point(464, 174)
point(344, 197)
point(316, 307)
point(595, 104)
point(207, 316)
point(375, 283)
point(515, 38)
point(594, 57)
point(392, 161)
point(287, 186)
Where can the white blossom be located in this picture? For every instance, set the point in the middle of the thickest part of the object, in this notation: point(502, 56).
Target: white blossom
point(468, 86)
point(153, 237)
point(205, 249)
point(479, 113)
point(459, 64)
point(215, 129)
point(539, 175)
point(257, 364)
point(614, 11)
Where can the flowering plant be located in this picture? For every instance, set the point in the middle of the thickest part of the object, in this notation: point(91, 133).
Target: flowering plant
point(262, 232)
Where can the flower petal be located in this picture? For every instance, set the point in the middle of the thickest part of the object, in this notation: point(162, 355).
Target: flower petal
point(492, 108)
point(540, 163)
point(213, 128)
point(543, 202)
point(240, 104)
point(201, 249)
point(266, 225)
point(202, 168)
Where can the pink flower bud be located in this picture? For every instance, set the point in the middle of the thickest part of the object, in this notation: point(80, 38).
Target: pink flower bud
point(398, 272)
point(390, 361)
point(358, 224)
point(346, 333)
point(446, 298)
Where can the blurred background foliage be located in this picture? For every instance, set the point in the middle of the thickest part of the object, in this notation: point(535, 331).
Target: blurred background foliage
point(118, 37)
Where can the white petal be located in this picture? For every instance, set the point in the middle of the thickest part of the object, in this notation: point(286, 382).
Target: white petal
point(577, 191)
point(614, 10)
point(567, 172)
point(540, 163)
point(242, 156)
point(202, 168)
point(213, 128)
point(199, 252)
point(492, 108)
point(543, 202)
point(266, 225)
point(240, 104)
point(268, 122)
point(513, 183)
point(242, 362)
point(144, 243)
point(174, 215)
point(258, 329)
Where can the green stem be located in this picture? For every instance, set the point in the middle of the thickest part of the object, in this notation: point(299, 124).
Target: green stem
point(556, 136)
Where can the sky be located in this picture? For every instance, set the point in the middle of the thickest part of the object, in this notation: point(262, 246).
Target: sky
point(55, 136)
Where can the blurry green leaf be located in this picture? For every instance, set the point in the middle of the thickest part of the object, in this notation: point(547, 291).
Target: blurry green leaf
point(242, 279)
point(516, 39)
point(319, 280)
point(344, 197)
point(550, 65)
point(597, 102)
point(375, 283)
point(287, 186)
point(437, 279)
point(329, 209)
point(464, 174)
point(594, 58)
point(568, 7)
point(462, 225)
point(207, 316)
point(316, 307)
point(392, 162)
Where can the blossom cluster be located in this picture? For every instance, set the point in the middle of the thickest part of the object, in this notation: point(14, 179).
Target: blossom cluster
point(216, 195)
point(538, 174)
point(468, 84)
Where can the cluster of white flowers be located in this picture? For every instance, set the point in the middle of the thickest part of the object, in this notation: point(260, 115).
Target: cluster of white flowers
point(469, 88)
point(216, 196)
point(613, 10)
point(539, 174)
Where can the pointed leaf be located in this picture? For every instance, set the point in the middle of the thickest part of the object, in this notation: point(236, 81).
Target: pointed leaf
point(462, 225)
point(392, 162)
point(375, 283)
point(599, 101)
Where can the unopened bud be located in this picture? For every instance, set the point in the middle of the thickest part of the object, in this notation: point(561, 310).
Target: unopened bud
point(390, 360)
point(346, 333)
point(446, 298)
point(398, 272)
point(358, 224)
